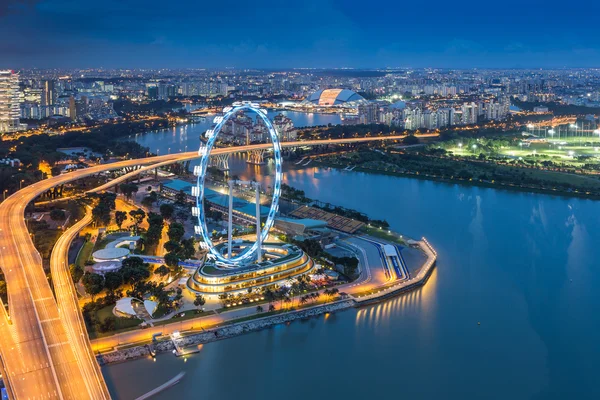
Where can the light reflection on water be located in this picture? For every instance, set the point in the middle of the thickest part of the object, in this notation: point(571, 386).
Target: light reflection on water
point(524, 265)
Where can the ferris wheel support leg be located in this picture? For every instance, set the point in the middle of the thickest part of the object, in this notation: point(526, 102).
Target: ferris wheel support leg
point(230, 220)
point(258, 229)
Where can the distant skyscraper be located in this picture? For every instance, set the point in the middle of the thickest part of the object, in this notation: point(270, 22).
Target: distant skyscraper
point(48, 94)
point(72, 108)
point(153, 92)
point(9, 101)
point(368, 113)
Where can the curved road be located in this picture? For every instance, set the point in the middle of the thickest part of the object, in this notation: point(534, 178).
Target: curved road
point(39, 356)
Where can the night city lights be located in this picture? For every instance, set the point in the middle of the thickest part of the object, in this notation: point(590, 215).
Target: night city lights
point(301, 200)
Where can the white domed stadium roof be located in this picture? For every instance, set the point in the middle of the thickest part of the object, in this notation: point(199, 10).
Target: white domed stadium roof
point(335, 97)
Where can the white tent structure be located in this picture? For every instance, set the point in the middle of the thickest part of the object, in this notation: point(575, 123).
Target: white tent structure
point(125, 306)
point(150, 306)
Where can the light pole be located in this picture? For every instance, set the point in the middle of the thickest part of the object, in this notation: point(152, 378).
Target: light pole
point(21, 184)
point(4, 193)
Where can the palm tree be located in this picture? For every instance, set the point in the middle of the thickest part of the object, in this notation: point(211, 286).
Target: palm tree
point(303, 300)
point(287, 300)
point(294, 290)
point(271, 307)
point(315, 296)
point(259, 309)
point(334, 291)
point(269, 295)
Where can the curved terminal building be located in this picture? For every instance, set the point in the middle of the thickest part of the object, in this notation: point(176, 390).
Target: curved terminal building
point(281, 262)
point(343, 98)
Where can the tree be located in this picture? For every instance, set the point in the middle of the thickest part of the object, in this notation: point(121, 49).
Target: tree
point(120, 217)
point(287, 301)
point(112, 281)
point(93, 283)
point(410, 140)
point(167, 210)
point(187, 250)
point(134, 269)
point(58, 215)
point(76, 272)
point(147, 201)
point(315, 296)
point(128, 189)
point(156, 223)
point(259, 309)
point(163, 270)
point(269, 295)
point(176, 231)
point(102, 209)
point(138, 217)
point(172, 260)
point(181, 197)
point(172, 246)
point(199, 301)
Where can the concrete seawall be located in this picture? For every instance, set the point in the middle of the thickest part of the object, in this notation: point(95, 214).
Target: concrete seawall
point(225, 332)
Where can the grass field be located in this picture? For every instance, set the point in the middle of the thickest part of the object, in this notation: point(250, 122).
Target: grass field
point(556, 151)
point(121, 324)
point(383, 234)
point(84, 254)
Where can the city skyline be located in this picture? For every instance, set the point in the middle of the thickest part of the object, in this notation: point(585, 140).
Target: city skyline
point(324, 34)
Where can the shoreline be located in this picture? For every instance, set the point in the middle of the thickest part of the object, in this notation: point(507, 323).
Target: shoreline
point(477, 183)
point(233, 329)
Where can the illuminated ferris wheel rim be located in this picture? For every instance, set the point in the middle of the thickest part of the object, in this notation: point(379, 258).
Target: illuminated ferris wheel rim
point(200, 171)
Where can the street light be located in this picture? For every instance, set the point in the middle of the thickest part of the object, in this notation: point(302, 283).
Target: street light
point(21, 184)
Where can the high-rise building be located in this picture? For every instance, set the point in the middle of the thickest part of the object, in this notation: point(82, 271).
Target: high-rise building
point(445, 117)
point(48, 93)
point(72, 108)
point(368, 113)
point(9, 101)
point(153, 92)
point(430, 119)
point(285, 128)
point(470, 111)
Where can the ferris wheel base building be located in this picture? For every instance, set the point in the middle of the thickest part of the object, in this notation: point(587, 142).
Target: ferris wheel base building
point(281, 263)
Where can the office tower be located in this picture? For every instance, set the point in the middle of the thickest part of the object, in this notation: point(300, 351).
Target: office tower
point(48, 94)
point(9, 101)
point(72, 108)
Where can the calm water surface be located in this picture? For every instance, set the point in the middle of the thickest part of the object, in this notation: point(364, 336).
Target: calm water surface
point(524, 265)
point(187, 137)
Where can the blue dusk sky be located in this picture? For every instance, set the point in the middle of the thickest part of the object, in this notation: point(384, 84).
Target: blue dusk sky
point(283, 33)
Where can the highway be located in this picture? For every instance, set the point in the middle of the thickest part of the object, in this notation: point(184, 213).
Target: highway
point(68, 308)
point(40, 359)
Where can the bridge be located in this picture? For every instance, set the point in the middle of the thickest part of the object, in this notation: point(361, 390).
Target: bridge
point(42, 352)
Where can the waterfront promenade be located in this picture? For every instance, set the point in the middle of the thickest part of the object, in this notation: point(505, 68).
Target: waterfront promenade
point(355, 291)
